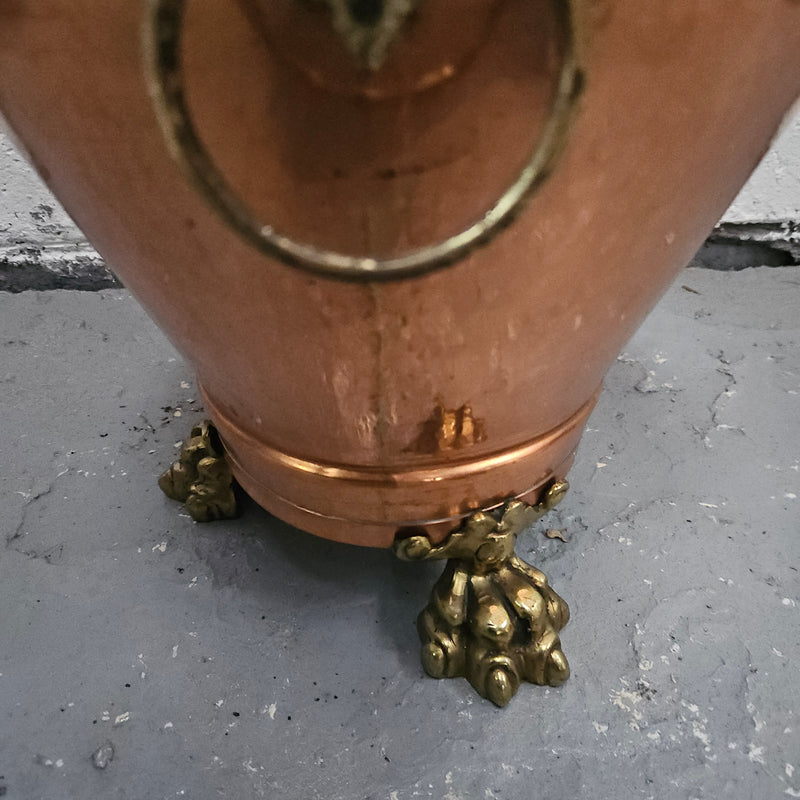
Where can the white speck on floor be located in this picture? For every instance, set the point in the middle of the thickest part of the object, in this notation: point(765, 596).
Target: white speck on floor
point(755, 754)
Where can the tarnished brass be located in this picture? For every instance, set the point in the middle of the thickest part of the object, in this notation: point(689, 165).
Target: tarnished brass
point(201, 478)
point(492, 618)
point(163, 43)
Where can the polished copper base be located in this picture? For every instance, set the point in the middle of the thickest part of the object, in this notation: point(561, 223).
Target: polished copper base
point(368, 504)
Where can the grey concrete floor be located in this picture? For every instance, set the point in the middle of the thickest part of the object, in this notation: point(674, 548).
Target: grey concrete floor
point(247, 659)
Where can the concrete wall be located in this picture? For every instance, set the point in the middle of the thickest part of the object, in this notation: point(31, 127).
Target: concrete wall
point(40, 246)
point(30, 215)
point(28, 212)
point(773, 191)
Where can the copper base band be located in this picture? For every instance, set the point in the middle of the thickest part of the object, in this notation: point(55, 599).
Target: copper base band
point(367, 505)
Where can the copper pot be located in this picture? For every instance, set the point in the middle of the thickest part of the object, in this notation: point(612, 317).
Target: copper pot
point(424, 229)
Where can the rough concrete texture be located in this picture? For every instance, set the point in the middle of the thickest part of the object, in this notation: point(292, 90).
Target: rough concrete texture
point(40, 246)
point(734, 245)
point(145, 656)
point(28, 211)
point(773, 191)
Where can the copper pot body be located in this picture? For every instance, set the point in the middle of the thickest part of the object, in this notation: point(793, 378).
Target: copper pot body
point(354, 408)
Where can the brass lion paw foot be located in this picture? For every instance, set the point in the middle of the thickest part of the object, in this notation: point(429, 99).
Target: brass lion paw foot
point(492, 618)
point(201, 478)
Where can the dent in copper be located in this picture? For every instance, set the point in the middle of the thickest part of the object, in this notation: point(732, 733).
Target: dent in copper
point(448, 429)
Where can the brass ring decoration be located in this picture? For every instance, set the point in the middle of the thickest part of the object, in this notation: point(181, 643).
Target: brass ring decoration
point(163, 45)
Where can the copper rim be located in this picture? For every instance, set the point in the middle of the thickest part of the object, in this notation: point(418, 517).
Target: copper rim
point(384, 498)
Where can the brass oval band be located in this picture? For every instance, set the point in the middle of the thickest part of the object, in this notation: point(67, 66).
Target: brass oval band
point(163, 44)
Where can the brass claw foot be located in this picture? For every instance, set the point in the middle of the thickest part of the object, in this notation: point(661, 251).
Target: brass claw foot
point(492, 618)
point(201, 478)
